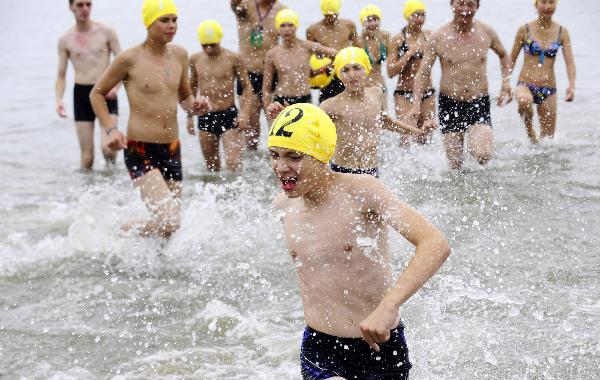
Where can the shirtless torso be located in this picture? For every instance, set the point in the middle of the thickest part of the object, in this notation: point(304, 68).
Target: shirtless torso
point(338, 34)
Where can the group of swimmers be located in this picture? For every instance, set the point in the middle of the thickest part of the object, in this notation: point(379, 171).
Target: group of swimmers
point(325, 158)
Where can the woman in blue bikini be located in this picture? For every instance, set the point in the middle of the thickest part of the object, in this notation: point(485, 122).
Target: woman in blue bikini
point(541, 41)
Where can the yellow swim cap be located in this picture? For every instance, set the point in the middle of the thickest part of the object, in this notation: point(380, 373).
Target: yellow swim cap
point(305, 128)
point(413, 6)
point(369, 10)
point(331, 7)
point(351, 55)
point(286, 16)
point(153, 9)
point(209, 32)
point(323, 79)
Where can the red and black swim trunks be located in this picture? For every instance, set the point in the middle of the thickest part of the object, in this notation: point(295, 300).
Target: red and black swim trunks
point(142, 157)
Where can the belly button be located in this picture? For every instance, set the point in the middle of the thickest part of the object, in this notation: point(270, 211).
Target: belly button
point(294, 254)
point(348, 247)
point(350, 321)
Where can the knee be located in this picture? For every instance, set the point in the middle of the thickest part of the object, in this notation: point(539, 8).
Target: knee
point(524, 102)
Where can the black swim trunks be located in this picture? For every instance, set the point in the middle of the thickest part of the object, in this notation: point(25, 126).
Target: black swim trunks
point(409, 94)
point(256, 80)
point(335, 87)
point(340, 169)
point(323, 356)
point(218, 122)
point(458, 116)
point(289, 100)
point(142, 157)
point(82, 106)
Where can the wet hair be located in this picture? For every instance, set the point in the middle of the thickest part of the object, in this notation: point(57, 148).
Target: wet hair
point(452, 1)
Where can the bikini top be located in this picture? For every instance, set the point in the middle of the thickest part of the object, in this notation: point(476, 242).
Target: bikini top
point(382, 56)
point(532, 47)
point(404, 47)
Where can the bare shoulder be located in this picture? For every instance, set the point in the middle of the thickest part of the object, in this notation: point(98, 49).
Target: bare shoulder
point(106, 29)
point(179, 51)
point(440, 33)
point(280, 201)
point(273, 52)
point(361, 186)
point(374, 92)
point(485, 28)
point(196, 57)
point(347, 23)
point(330, 105)
point(129, 56)
point(386, 36)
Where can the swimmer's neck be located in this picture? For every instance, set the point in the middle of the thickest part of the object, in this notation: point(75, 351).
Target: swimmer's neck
point(461, 26)
point(289, 42)
point(330, 21)
point(357, 93)
point(84, 26)
point(544, 22)
point(319, 195)
point(368, 33)
point(156, 48)
point(412, 30)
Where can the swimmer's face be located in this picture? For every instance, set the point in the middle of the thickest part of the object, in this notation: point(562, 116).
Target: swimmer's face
point(353, 75)
point(164, 28)
point(465, 9)
point(287, 30)
point(372, 23)
point(417, 19)
point(211, 49)
point(546, 7)
point(81, 9)
point(295, 171)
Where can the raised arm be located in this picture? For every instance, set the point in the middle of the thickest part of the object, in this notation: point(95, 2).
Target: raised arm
point(240, 8)
point(63, 60)
point(432, 249)
point(506, 66)
point(570, 62)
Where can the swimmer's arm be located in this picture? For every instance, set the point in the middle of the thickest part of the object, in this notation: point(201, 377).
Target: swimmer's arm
point(63, 60)
point(395, 65)
point(354, 38)
point(310, 34)
point(241, 73)
point(321, 50)
point(505, 63)
point(240, 8)
point(193, 77)
point(115, 47)
point(185, 94)
point(268, 79)
point(422, 77)
point(432, 250)
point(570, 63)
point(517, 45)
point(399, 126)
point(113, 75)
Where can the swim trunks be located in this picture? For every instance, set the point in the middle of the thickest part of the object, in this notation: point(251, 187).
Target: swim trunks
point(142, 157)
point(458, 116)
point(539, 93)
point(408, 95)
point(82, 106)
point(323, 356)
point(335, 87)
point(289, 100)
point(256, 80)
point(340, 169)
point(218, 122)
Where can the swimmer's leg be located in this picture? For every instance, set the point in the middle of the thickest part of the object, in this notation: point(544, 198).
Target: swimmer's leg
point(109, 155)
point(525, 103)
point(233, 143)
point(85, 135)
point(547, 114)
point(481, 142)
point(162, 202)
point(427, 119)
point(209, 143)
point(453, 145)
point(403, 106)
point(252, 130)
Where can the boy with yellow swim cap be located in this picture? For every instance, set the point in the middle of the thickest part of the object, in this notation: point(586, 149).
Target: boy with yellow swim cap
point(336, 229)
point(89, 61)
point(256, 35)
point(214, 70)
point(334, 32)
point(360, 116)
point(289, 61)
point(406, 54)
point(375, 42)
point(155, 75)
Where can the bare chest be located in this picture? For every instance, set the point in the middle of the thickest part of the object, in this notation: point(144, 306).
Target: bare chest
point(85, 45)
point(355, 120)
point(156, 76)
point(337, 37)
point(292, 60)
point(470, 49)
point(214, 72)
